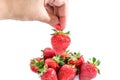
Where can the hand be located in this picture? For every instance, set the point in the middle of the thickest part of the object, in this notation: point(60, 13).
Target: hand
point(48, 11)
point(57, 8)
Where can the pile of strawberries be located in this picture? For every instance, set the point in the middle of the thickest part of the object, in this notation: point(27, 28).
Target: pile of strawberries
point(58, 63)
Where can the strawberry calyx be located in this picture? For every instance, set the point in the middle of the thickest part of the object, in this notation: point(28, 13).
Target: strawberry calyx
point(60, 60)
point(74, 56)
point(60, 32)
point(37, 63)
point(94, 62)
point(43, 70)
point(67, 51)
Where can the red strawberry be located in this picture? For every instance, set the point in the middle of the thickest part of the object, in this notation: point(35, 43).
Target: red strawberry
point(66, 72)
point(48, 53)
point(65, 57)
point(65, 54)
point(85, 78)
point(50, 74)
point(60, 60)
point(58, 26)
point(60, 41)
point(36, 64)
point(38, 59)
point(50, 63)
point(76, 59)
point(34, 69)
point(89, 70)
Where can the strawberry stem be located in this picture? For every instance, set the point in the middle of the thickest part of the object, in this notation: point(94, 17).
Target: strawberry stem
point(59, 60)
point(74, 56)
point(59, 32)
point(42, 70)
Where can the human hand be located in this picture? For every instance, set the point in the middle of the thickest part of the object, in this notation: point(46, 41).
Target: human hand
point(48, 11)
point(59, 9)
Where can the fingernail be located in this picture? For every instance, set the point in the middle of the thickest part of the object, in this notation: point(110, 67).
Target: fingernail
point(58, 26)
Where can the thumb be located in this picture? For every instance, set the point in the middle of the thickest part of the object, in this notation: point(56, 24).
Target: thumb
point(53, 20)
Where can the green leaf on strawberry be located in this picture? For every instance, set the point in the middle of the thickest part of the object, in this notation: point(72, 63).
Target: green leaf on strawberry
point(59, 60)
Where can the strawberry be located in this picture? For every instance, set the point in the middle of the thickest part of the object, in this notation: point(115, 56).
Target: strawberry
point(58, 26)
point(66, 72)
point(65, 54)
point(89, 69)
point(50, 74)
point(36, 64)
point(60, 60)
point(60, 41)
point(48, 53)
point(34, 69)
point(85, 78)
point(76, 59)
point(50, 63)
point(65, 57)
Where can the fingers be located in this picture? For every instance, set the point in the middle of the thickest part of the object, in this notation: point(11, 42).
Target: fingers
point(61, 11)
point(59, 2)
point(49, 9)
point(58, 11)
point(53, 20)
point(50, 19)
point(63, 22)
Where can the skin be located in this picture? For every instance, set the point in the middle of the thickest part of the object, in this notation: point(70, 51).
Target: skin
point(48, 11)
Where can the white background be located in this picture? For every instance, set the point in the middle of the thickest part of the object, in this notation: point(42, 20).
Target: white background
point(95, 31)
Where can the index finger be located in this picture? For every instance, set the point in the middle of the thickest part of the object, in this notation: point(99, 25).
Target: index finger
point(62, 8)
point(62, 14)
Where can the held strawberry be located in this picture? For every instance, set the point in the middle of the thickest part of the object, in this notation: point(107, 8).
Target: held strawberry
point(60, 41)
point(50, 74)
point(89, 69)
point(58, 26)
point(66, 72)
point(48, 53)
